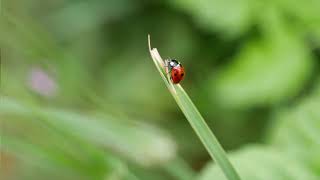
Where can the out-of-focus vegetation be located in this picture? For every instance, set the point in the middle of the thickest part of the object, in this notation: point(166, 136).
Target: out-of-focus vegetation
point(81, 99)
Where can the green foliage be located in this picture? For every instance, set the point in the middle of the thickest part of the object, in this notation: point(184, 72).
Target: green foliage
point(298, 126)
point(78, 141)
point(296, 130)
point(231, 17)
point(80, 98)
point(267, 58)
point(292, 152)
point(262, 163)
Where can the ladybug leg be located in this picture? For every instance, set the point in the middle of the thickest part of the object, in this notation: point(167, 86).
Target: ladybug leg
point(166, 65)
point(167, 70)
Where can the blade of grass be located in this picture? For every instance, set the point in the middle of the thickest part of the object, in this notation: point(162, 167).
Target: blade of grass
point(195, 119)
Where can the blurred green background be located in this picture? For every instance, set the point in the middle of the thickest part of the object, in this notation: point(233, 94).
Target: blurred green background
point(81, 98)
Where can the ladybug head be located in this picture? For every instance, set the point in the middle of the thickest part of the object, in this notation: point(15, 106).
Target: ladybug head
point(173, 63)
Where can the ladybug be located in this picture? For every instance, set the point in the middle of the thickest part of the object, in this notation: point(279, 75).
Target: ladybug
point(176, 70)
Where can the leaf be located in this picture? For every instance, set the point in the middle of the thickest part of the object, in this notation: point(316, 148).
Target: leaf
point(53, 162)
point(262, 163)
point(83, 16)
point(140, 143)
point(266, 71)
point(230, 17)
point(305, 15)
point(297, 129)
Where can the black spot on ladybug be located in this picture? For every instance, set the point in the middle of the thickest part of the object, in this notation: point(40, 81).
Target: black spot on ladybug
point(182, 74)
point(175, 74)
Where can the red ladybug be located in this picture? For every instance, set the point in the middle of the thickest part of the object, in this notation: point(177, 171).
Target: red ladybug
point(176, 70)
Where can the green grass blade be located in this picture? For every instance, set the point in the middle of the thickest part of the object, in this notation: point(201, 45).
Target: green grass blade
point(195, 119)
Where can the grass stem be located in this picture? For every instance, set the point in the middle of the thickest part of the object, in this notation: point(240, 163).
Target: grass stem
point(195, 119)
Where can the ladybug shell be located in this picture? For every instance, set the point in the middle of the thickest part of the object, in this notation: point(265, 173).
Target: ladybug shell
point(177, 74)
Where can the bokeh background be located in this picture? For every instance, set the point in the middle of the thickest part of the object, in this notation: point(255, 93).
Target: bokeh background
point(81, 98)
